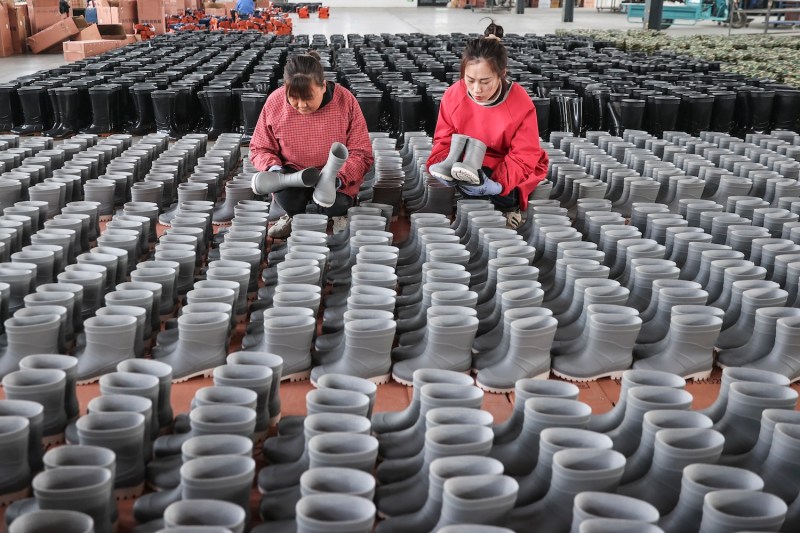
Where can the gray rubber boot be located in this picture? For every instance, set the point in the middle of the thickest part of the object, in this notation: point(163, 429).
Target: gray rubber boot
point(754, 458)
point(292, 338)
point(615, 525)
point(367, 352)
point(34, 413)
point(227, 478)
point(481, 499)
point(448, 348)
point(234, 396)
point(66, 364)
point(574, 471)
point(674, 449)
point(334, 513)
point(779, 469)
point(641, 460)
point(162, 371)
point(752, 300)
point(210, 420)
point(325, 189)
point(48, 387)
point(601, 505)
point(689, 350)
point(163, 473)
point(14, 436)
point(195, 513)
point(141, 319)
point(202, 343)
point(391, 421)
point(270, 182)
point(528, 356)
point(524, 390)
point(699, 480)
point(254, 340)
point(442, 170)
point(408, 442)
point(29, 335)
point(640, 400)
point(274, 363)
point(398, 470)
point(109, 341)
point(540, 413)
point(256, 379)
point(467, 169)
point(761, 341)
point(280, 505)
point(124, 434)
point(140, 298)
point(737, 510)
point(295, 460)
point(609, 350)
point(62, 520)
point(782, 358)
point(86, 489)
point(348, 450)
point(742, 418)
point(733, 375)
point(135, 384)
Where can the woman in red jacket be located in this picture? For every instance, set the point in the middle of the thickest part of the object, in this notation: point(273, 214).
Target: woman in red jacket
point(295, 131)
point(492, 122)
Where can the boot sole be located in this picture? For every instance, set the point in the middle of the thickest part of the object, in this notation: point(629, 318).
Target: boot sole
point(401, 382)
point(441, 176)
point(614, 374)
point(223, 223)
point(495, 390)
point(699, 376)
point(466, 176)
point(377, 380)
point(207, 373)
point(11, 497)
point(129, 493)
point(51, 441)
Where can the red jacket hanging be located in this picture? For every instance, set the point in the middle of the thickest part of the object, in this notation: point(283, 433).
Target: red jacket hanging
point(509, 130)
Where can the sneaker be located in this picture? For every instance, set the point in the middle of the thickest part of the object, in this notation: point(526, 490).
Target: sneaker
point(282, 228)
point(513, 219)
point(339, 224)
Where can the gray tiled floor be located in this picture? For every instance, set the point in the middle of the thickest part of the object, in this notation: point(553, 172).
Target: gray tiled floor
point(424, 20)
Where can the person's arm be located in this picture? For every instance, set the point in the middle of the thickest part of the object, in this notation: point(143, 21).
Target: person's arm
point(521, 163)
point(264, 148)
point(442, 134)
point(359, 147)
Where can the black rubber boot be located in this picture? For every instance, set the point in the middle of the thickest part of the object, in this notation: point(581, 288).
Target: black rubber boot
point(785, 109)
point(615, 114)
point(56, 108)
point(761, 102)
point(183, 109)
point(220, 102)
point(32, 100)
point(407, 108)
point(251, 105)
point(125, 108)
point(700, 109)
point(743, 111)
point(67, 103)
point(204, 121)
point(569, 110)
point(662, 112)
point(632, 113)
point(143, 104)
point(104, 103)
point(722, 118)
point(164, 111)
point(542, 106)
point(370, 104)
point(10, 107)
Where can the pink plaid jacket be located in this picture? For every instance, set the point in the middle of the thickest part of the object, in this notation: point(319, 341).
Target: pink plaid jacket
point(285, 137)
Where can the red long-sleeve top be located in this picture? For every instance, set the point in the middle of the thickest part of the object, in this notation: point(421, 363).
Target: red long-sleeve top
point(287, 138)
point(509, 130)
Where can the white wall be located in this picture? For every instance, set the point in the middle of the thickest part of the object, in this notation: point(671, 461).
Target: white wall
point(372, 4)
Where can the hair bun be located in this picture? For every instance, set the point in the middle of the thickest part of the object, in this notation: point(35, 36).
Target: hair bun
point(493, 30)
point(313, 53)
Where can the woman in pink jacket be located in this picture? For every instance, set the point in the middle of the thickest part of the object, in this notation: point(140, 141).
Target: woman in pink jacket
point(487, 138)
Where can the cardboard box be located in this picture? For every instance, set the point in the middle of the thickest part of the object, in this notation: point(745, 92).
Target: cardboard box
point(216, 9)
point(124, 13)
point(90, 33)
point(43, 14)
point(174, 7)
point(6, 40)
point(20, 26)
point(152, 12)
point(57, 33)
point(74, 50)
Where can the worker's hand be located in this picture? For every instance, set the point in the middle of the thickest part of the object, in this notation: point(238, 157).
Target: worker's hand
point(488, 187)
point(444, 182)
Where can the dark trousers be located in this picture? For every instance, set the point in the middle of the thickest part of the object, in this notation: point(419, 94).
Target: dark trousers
point(294, 201)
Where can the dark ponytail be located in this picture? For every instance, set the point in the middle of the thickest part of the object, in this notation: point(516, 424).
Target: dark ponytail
point(493, 29)
point(301, 73)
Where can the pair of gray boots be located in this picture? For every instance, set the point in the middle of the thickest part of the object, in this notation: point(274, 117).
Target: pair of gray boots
point(324, 181)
